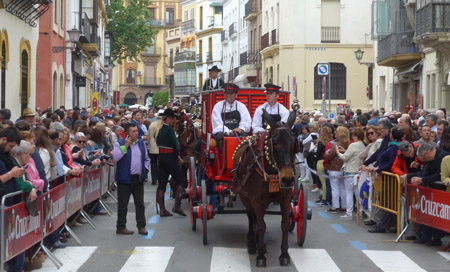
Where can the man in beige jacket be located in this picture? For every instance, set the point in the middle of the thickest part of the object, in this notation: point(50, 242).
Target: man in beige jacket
point(153, 150)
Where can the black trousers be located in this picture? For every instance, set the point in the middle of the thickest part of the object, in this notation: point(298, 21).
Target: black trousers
point(154, 167)
point(124, 191)
point(168, 165)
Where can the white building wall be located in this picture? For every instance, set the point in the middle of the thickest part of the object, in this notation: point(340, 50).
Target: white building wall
point(17, 31)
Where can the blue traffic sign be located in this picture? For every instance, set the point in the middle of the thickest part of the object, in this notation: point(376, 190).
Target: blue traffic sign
point(331, 115)
point(322, 69)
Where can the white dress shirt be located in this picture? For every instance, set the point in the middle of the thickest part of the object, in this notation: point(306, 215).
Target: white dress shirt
point(257, 123)
point(217, 122)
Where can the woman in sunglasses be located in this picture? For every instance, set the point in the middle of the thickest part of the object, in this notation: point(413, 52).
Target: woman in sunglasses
point(78, 147)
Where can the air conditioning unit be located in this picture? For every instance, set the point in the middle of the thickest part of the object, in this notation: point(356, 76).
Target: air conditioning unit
point(139, 73)
point(411, 2)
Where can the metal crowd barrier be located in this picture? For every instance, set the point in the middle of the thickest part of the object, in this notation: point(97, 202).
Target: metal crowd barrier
point(20, 230)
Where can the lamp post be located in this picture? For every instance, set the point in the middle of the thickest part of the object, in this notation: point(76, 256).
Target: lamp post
point(74, 36)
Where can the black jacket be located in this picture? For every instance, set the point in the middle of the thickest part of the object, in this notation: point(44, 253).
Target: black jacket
point(376, 157)
point(431, 171)
point(208, 85)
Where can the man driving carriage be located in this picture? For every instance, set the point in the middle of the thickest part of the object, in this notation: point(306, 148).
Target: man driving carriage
point(277, 111)
point(230, 117)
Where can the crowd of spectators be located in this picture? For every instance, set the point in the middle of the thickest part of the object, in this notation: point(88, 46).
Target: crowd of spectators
point(352, 150)
point(41, 148)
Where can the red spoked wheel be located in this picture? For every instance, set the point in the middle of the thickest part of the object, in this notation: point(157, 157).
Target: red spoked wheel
point(301, 212)
point(205, 210)
point(193, 193)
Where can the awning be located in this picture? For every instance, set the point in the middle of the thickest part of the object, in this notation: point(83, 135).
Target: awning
point(244, 76)
point(409, 68)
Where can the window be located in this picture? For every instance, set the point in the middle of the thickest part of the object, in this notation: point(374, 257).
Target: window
point(186, 15)
point(55, 91)
point(152, 13)
point(169, 16)
point(130, 99)
point(370, 81)
point(24, 80)
point(55, 12)
point(338, 73)
point(62, 13)
point(3, 66)
point(131, 76)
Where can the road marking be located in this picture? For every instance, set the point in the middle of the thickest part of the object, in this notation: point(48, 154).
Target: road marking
point(71, 257)
point(144, 258)
point(324, 215)
point(358, 245)
point(230, 259)
point(312, 260)
point(395, 261)
point(311, 204)
point(154, 219)
point(149, 235)
point(446, 255)
point(339, 228)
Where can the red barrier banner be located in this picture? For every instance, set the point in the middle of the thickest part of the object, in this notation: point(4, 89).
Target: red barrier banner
point(54, 208)
point(429, 207)
point(74, 196)
point(92, 184)
point(105, 177)
point(21, 229)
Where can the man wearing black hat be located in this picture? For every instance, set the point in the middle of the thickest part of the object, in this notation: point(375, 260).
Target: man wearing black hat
point(277, 111)
point(169, 164)
point(230, 117)
point(213, 83)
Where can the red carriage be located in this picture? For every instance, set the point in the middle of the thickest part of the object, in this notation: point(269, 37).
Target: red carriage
point(217, 166)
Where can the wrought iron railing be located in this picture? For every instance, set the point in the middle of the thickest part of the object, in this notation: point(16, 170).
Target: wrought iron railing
point(243, 58)
point(331, 34)
point(396, 44)
point(274, 37)
point(433, 17)
point(188, 26)
point(265, 41)
point(232, 29)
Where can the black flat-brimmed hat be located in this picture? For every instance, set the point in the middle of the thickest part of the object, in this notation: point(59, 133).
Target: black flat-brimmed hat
point(214, 68)
point(230, 87)
point(168, 113)
point(272, 88)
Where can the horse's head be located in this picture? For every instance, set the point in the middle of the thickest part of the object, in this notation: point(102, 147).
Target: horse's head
point(282, 146)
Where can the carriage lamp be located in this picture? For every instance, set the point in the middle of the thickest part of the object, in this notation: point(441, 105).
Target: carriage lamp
point(74, 36)
point(295, 106)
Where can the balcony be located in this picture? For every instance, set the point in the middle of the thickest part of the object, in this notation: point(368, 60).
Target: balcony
point(274, 37)
point(253, 57)
point(152, 81)
point(224, 36)
point(209, 57)
point(232, 29)
point(251, 10)
point(397, 49)
point(243, 58)
point(188, 26)
point(199, 58)
point(330, 34)
point(152, 51)
point(188, 56)
point(433, 23)
point(265, 41)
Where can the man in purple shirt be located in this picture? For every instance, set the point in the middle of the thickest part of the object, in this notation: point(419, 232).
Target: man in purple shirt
point(133, 163)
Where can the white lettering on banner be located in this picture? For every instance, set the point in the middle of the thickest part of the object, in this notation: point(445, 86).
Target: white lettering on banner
point(75, 195)
point(58, 207)
point(27, 225)
point(93, 186)
point(435, 209)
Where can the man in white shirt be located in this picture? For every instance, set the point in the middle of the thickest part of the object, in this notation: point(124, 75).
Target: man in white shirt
point(230, 117)
point(213, 82)
point(277, 111)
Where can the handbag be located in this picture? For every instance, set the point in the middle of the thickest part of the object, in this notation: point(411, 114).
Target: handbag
point(32, 206)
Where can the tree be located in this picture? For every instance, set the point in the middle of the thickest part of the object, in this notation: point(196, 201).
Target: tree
point(160, 98)
point(131, 28)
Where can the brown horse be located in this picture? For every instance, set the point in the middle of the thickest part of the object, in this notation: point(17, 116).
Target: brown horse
point(258, 164)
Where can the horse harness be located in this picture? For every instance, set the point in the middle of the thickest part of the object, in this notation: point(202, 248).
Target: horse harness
point(257, 160)
point(275, 117)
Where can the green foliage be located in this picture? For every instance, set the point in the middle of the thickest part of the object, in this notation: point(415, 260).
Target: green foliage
point(131, 28)
point(160, 98)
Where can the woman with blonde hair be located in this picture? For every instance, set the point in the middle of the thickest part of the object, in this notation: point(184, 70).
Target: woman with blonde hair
point(44, 146)
point(325, 136)
point(334, 166)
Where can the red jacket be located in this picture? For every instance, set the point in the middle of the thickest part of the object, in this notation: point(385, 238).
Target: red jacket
point(399, 167)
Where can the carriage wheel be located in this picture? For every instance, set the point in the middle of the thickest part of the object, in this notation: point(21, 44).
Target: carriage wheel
point(204, 212)
point(193, 196)
point(302, 216)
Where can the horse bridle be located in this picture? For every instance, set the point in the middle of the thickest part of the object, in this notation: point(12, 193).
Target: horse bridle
point(292, 165)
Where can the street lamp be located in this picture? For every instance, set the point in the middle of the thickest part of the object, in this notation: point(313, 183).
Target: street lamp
point(74, 36)
point(359, 55)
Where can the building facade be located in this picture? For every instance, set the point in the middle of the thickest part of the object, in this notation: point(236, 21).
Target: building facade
point(141, 79)
point(173, 40)
point(296, 40)
point(18, 53)
point(252, 73)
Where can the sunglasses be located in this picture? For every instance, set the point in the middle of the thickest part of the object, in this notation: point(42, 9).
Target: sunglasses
point(81, 142)
point(370, 133)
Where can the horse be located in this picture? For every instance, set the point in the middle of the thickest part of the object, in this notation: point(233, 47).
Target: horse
point(259, 164)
